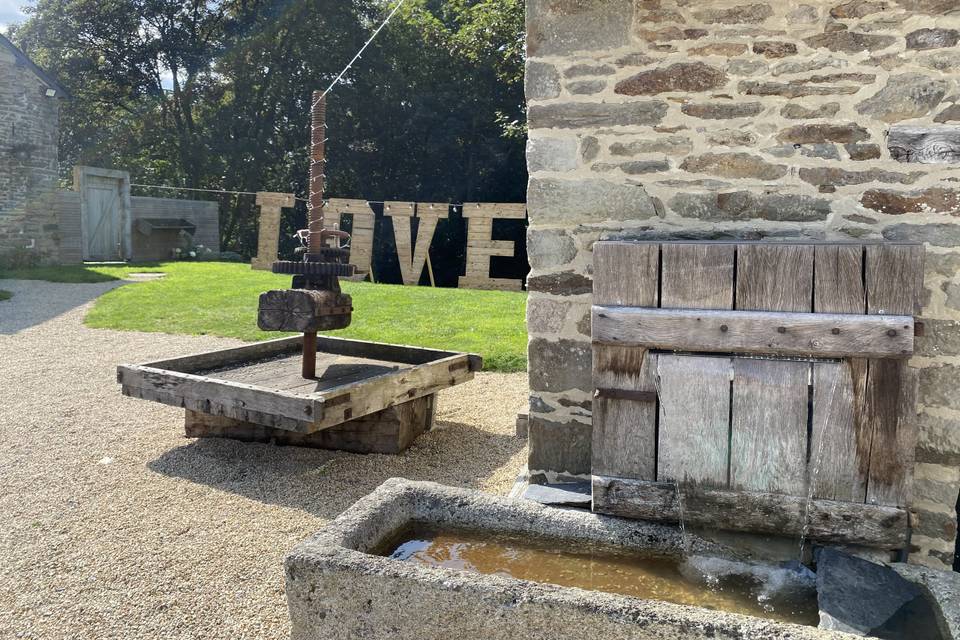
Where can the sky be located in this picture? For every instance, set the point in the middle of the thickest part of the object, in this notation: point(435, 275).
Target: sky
point(10, 12)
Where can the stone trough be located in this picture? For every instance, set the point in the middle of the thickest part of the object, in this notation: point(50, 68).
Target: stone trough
point(339, 587)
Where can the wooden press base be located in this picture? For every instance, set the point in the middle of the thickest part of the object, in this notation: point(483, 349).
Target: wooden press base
point(389, 431)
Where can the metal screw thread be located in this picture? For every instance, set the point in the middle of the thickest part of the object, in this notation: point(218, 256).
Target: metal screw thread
point(318, 136)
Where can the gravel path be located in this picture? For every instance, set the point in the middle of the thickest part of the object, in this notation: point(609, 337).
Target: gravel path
point(116, 526)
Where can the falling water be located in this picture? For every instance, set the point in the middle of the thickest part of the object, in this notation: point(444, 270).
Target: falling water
point(685, 542)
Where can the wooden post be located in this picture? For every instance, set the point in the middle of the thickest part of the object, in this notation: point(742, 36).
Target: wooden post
point(309, 369)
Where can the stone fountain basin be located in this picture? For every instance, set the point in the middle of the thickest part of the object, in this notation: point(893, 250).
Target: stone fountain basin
point(338, 588)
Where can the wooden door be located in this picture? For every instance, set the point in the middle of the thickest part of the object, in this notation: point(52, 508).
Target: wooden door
point(102, 221)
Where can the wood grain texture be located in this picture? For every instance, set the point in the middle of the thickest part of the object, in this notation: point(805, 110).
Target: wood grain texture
point(891, 410)
point(925, 145)
point(626, 274)
point(697, 276)
point(829, 521)
point(838, 465)
point(412, 261)
point(624, 431)
point(768, 440)
point(828, 335)
point(694, 427)
point(894, 276)
point(774, 277)
point(838, 279)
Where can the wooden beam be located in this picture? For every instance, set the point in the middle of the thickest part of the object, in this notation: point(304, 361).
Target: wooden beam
point(767, 332)
point(826, 520)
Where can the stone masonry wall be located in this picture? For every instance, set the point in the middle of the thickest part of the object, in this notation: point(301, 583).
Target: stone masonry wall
point(28, 160)
point(712, 119)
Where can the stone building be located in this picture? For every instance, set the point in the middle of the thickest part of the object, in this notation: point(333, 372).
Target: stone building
point(719, 119)
point(29, 105)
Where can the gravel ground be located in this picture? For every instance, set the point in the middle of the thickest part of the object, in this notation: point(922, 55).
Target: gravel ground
point(116, 526)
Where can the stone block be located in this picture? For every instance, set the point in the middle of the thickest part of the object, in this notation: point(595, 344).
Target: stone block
point(722, 110)
point(799, 112)
point(940, 338)
point(541, 81)
point(563, 27)
point(939, 441)
point(565, 283)
point(724, 49)
point(944, 264)
point(732, 138)
point(682, 76)
point(938, 234)
point(734, 165)
point(741, 14)
point(932, 38)
point(858, 9)
point(791, 90)
point(774, 48)
point(553, 201)
point(589, 148)
point(863, 151)
point(586, 87)
point(549, 248)
point(559, 365)
point(849, 41)
point(561, 447)
point(950, 114)
point(843, 132)
point(551, 154)
point(938, 386)
point(581, 115)
point(932, 200)
point(673, 145)
point(937, 484)
point(841, 177)
point(933, 524)
point(746, 205)
point(545, 316)
point(907, 95)
point(588, 69)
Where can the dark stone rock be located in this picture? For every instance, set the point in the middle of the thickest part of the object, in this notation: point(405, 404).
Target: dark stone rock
point(742, 14)
point(798, 112)
point(671, 33)
point(945, 264)
point(856, 217)
point(842, 177)
point(671, 145)
point(569, 201)
point(935, 525)
point(925, 145)
point(938, 386)
point(938, 234)
point(725, 49)
point(560, 447)
point(747, 205)
point(732, 138)
point(580, 404)
point(549, 248)
point(952, 290)
point(802, 66)
point(932, 38)
point(545, 315)
point(722, 110)
point(859, 78)
point(908, 95)
point(849, 41)
point(577, 115)
point(563, 27)
point(559, 365)
point(774, 49)
point(589, 148)
point(860, 597)
point(542, 81)
point(584, 325)
point(639, 167)
point(585, 69)
point(790, 90)
point(746, 67)
point(824, 151)
point(563, 494)
point(857, 9)
point(817, 133)
point(682, 76)
point(940, 338)
point(932, 200)
point(939, 439)
point(950, 114)
point(932, 7)
point(586, 87)
point(537, 405)
point(658, 16)
point(565, 283)
point(635, 60)
point(734, 165)
point(863, 151)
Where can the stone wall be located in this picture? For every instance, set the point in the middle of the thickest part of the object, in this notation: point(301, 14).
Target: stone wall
point(28, 160)
point(713, 119)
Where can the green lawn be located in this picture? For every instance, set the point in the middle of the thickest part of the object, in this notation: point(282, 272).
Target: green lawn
point(5, 295)
point(220, 298)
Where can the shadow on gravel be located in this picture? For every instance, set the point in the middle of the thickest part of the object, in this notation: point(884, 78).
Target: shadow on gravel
point(324, 483)
point(34, 301)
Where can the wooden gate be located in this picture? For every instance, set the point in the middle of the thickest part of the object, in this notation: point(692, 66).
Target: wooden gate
point(104, 213)
point(756, 386)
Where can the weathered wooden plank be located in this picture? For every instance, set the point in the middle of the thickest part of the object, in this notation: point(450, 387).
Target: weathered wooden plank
point(516, 210)
point(624, 431)
point(891, 410)
point(412, 261)
point(838, 462)
point(694, 428)
point(927, 145)
point(399, 209)
point(225, 357)
point(768, 441)
point(838, 279)
point(774, 277)
point(697, 276)
point(894, 275)
point(828, 335)
point(829, 521)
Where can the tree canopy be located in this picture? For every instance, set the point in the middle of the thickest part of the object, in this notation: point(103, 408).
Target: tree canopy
point(216, 94)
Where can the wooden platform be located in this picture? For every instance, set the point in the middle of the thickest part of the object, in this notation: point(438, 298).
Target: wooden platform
point(366, 397)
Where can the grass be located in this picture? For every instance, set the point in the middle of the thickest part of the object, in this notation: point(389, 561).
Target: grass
point(220, 298)
point(5, 295)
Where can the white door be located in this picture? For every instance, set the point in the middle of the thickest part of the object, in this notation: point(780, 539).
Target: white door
point(103, 224)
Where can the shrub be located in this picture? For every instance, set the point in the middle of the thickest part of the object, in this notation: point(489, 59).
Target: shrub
point(19, 259)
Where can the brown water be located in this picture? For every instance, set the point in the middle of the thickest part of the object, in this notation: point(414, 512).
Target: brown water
point(756, 590)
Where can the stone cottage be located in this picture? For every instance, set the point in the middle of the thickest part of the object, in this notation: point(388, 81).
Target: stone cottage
point(29, 105)
point(725, 119)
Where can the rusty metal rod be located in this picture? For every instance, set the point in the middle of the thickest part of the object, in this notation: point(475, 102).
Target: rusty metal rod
point(318, 136)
